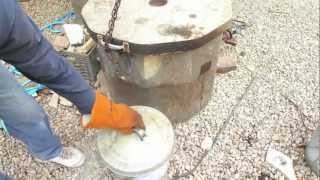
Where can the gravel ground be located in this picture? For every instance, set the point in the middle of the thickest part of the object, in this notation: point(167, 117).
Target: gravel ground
point(278, 55)
point(43, 12)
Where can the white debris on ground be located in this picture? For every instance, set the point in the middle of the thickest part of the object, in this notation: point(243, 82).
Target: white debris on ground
point(279, 50)
point(75, 33)
point(281, 162)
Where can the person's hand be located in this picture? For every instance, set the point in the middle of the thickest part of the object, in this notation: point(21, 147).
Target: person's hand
point(107, 114)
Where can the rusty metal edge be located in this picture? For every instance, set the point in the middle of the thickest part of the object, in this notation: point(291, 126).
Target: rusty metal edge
point(163, 48)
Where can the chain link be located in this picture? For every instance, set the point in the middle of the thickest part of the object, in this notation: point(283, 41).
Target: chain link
point(114, 14)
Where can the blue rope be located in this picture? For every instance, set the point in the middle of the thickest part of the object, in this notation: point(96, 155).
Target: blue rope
point(3, 126)
point(14, 71)
point(58, 21)
point(32, 91)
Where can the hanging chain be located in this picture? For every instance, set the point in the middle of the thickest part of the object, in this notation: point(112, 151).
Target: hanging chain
point(114, 14)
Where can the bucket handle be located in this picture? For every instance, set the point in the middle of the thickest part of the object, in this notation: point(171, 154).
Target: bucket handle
point(140, 133)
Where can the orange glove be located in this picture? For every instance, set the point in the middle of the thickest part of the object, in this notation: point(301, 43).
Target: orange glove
point(106, 114)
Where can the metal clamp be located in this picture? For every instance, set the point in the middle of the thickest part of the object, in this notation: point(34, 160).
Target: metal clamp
point(110, 46)
point(115, 47)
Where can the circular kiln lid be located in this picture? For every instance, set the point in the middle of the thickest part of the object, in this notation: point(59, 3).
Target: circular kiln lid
point(129, 156)
point(141, 23)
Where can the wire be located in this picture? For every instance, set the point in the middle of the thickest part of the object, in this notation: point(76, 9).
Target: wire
point(220, 131)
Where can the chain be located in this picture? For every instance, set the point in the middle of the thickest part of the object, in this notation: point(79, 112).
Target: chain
point(114, 14)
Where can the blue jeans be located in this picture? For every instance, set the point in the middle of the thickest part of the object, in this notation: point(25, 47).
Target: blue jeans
point(23, 46)
point(4, 177)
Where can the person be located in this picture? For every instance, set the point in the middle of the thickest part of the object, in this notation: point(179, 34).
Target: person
point(23, 46)
point(312, 152)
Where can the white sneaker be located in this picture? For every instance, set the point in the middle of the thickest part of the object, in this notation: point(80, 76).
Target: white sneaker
point(69, 157)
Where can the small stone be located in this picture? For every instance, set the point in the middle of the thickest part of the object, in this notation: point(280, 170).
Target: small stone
point(206, 143)
point(242, 147)
point(276, 138)
point(61, 43)
point(242, 53)
point(54, 100)
point(45, 91)
point(251, 67)
point(65, 102)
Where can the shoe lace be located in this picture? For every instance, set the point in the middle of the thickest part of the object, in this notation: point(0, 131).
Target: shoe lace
point(66, 154)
